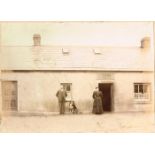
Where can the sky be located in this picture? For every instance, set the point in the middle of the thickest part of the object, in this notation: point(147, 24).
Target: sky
point(76, 33)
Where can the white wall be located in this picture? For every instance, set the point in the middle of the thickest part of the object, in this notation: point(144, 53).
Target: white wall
point(36, 90)
point(123, 91)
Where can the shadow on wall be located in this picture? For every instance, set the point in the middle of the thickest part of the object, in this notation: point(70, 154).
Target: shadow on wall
point(51, 106)
point(82, 105)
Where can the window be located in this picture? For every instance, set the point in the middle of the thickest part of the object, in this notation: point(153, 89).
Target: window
point(141, 91)
point(68, 88)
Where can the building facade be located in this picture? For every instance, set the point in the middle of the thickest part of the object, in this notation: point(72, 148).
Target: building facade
point(31, 76)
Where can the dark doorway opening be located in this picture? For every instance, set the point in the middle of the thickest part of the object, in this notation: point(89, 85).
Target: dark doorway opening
point(106, 89)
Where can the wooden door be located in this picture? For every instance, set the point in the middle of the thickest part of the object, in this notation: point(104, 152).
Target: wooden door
point(9, 95)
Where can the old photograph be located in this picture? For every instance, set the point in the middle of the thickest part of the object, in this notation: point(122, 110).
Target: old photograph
point(77, 76)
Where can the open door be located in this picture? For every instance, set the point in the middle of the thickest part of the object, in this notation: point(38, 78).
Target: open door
point(106, 89)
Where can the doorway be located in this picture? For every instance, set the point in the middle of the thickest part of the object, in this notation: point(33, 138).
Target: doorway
point(9, 95)
point(106, 89)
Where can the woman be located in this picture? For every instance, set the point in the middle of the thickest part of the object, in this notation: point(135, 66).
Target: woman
point(97, 105)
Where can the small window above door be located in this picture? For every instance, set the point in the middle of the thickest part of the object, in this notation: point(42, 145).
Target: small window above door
point(68, 88)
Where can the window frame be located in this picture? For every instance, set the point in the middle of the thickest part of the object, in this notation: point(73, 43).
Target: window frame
point(141, 95)
point(69, 93)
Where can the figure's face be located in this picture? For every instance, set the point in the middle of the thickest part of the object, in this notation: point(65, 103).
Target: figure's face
point(61, 88)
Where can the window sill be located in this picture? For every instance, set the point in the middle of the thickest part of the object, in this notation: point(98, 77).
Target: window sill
point(141, 101)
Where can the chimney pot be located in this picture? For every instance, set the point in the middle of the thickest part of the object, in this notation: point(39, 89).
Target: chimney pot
point(36, 39)
point(145, 42)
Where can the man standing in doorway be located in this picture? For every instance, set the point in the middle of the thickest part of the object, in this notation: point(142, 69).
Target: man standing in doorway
point(61, 95)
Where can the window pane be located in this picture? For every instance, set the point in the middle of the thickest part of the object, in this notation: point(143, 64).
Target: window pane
point(68, 87)
point(140, 88)
point(136, 88)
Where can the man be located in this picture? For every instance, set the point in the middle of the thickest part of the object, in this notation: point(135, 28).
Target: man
point(61, 95)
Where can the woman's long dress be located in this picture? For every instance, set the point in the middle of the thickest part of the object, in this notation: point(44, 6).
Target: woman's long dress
point(97, 105)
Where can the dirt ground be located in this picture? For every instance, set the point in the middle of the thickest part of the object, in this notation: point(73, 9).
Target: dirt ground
point(108, 122)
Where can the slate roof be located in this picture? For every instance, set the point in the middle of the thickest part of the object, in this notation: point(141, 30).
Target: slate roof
point(76, 58)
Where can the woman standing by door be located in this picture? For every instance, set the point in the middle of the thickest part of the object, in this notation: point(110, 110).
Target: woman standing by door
point(97, 105)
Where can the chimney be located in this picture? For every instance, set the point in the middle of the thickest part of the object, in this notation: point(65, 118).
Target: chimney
point(145, 42)
point(36, 39)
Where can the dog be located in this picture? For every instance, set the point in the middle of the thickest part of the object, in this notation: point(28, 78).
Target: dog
point(72, 107)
